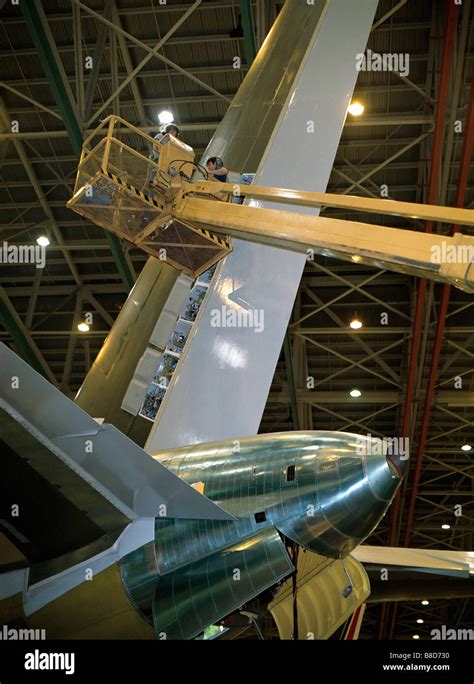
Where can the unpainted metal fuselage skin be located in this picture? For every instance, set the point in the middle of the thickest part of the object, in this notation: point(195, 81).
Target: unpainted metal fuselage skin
point(326, 491)
point(342, 484)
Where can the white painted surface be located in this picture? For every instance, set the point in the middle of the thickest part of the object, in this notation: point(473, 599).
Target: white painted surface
point(141, 381)
point(168, 317)
point(146, 367)
point(440, 562)
point(114, 466)
point(221, 384)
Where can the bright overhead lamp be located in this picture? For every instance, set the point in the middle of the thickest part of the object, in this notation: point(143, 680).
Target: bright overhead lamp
point(420, 621)
point(445, 526)
point(165, 117)
point(355, 393)
point(416, 636)
point(83, 327)
point(42, 241)
point(425, 603)
point(355, 324)
point(356, 108)
point(466, 447)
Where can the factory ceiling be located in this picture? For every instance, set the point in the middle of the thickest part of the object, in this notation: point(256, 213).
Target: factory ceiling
point(386, 152)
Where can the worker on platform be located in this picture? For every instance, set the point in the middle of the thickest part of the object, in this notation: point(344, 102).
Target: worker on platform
point(155, 153)
point(155, 157)
point(172, 129)
point(216, 169)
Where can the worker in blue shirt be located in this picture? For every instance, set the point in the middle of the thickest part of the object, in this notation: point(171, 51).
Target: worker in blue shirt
point(155, 153)
point(216, 169)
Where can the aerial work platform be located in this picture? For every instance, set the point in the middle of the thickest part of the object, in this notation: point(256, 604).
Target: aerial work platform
point(125, 191)
point(156, 206)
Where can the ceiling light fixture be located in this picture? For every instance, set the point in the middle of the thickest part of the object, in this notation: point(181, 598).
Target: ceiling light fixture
point(165, 117)
point(356, 108)
point(355, 324)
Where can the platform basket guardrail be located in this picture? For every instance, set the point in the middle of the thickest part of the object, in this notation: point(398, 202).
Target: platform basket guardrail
point(122, 189)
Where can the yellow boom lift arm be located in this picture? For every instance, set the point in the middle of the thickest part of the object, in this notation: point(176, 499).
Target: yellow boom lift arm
point(157, 206)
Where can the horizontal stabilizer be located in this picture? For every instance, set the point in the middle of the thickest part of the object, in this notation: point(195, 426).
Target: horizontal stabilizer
point(449, 563)
point(68, 439)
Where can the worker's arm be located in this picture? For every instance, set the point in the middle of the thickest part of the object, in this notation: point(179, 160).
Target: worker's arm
point(223, 171)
